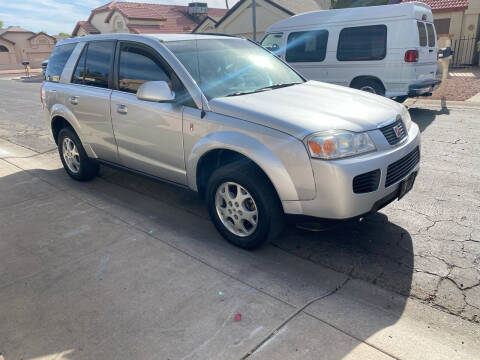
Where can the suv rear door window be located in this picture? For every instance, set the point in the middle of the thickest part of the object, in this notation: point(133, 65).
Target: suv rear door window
point(431, 35)
point(138, 65)
point(57, 61)
point(362, 43)
point(93, 67)
point(422, 33)
point(307, 46)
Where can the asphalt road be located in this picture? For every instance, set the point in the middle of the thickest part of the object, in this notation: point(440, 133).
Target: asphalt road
point(426, 246)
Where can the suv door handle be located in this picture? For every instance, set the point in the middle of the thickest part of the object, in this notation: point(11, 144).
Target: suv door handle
point(122, 109)
point(73, 100)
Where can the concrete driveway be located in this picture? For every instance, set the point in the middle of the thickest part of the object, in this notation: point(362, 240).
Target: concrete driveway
point(122, 267)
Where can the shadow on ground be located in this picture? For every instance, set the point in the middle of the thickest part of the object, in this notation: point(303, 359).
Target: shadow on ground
point(424, 117)
point(374, 250)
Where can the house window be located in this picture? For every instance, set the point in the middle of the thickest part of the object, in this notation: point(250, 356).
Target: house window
point(307, 46)
point(362, 43)
point(3, 49)
point(442, 26)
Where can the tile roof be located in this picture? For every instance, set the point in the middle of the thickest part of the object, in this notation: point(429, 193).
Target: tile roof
point(85, 25)
point(173, 18)
point(444, 5)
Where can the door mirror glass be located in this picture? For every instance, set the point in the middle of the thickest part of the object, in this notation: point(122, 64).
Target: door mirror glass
point(157, 91)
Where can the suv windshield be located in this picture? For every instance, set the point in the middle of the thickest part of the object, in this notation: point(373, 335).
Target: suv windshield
point(231, 67)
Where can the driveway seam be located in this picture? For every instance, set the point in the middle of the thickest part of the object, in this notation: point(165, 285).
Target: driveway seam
point(292, 316)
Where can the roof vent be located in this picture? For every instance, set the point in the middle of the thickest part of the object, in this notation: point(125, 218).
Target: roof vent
point(198, 9)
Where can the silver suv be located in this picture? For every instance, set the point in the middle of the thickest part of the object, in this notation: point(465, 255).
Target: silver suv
point(226, 118)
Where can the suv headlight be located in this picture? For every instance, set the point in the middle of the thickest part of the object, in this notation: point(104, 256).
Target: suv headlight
point(406, 118)
point(337, 144)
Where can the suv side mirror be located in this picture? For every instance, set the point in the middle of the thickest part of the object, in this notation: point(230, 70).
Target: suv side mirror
point(157, 91)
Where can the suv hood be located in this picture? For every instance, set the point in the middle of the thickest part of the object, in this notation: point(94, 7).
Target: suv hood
point(301, 110)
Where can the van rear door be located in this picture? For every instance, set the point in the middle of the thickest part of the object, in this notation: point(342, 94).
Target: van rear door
point(426, 67)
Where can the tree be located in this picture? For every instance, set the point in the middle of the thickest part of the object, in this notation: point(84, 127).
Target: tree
point(64, 34)
point(341, 4)
point(1, 24)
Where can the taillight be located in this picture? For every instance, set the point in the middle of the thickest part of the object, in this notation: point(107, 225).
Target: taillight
point(411, 56)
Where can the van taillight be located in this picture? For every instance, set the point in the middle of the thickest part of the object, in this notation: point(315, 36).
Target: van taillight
point(411, 56)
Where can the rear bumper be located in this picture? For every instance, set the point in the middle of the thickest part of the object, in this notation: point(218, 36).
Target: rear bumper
point(335, 198)
point(423, 88)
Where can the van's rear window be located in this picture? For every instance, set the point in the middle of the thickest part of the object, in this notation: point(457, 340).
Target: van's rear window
point(362, 43)
point(422, 33)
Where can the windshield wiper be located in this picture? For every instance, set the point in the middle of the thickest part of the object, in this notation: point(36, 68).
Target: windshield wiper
point(270, 87)
point(277, 86)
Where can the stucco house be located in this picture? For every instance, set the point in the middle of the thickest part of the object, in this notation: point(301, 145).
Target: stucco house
point(18, 45)
point(239, 21)
point(138, 18)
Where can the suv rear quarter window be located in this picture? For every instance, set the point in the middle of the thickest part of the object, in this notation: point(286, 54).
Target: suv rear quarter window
point(362, 43)
point(57, 61)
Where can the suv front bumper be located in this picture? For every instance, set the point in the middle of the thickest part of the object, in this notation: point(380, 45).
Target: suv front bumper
point(335, 198)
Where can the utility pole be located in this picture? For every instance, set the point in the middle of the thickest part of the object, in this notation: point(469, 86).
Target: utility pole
point(226, 3)
point(254, 19)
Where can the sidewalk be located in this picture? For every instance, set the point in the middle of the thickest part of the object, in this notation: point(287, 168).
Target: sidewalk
point(19, 71)
point(95, 270)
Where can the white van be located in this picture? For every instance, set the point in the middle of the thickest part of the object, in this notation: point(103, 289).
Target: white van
point(389, 50)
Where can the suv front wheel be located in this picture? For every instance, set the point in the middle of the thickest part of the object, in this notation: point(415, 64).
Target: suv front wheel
point(244, 205)
point(74, 158)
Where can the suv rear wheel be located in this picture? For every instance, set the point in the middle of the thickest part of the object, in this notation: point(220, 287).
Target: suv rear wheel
point(244, 205)
point(74, 158)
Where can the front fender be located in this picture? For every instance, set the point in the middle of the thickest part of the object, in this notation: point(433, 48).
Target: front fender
point(60, 110)
point(271, 164)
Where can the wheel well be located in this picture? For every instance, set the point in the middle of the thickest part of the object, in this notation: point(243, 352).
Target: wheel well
point(215, 159)
point(58, 123)
point(362, 78)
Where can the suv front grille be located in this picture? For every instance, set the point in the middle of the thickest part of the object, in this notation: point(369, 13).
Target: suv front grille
point(391, 135)
point(400, 168)
point(367, 182)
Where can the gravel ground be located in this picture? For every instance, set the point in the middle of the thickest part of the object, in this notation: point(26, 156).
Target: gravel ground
point(459, 89)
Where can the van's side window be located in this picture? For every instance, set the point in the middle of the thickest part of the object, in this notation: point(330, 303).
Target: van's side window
point(362, 43)
point(273, 42)
point(307, 46)
point(57, 61)
point(422, 33)
point(93, 67)
point(431, 35)
point(137, 66)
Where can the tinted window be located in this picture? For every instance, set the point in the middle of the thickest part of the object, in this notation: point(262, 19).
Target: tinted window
point(362, 43)
point(422, 33)
point(307, 46)
point(79, 74)
point(138, 65)
point(431, 35)
point(57, 61)
point(442, 26)
point(97, 65)
point(273, 42)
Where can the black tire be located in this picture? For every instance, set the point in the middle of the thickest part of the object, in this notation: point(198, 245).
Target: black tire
point(88, 168)
point(270, 214)
point(374, 86)
point(400, 99)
